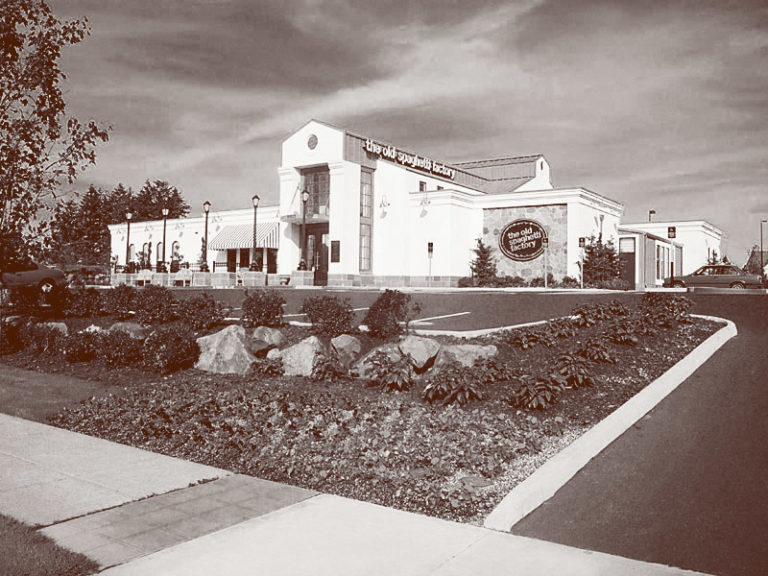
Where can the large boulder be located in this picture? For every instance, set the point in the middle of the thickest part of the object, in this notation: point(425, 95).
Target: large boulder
point(299, 359)
point(465, 354)
point(225, 352)
point(133, 329)
point(264, 338)
point(60, 326)
point(347, 348)
point(422, 351)
point(361, 368)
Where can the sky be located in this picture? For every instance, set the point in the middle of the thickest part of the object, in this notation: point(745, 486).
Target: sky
point(660, 105)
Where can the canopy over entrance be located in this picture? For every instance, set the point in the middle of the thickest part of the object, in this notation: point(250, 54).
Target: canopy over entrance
point(241, 236)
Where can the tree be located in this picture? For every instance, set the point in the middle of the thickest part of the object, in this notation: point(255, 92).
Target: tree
point(601, 261)
point(41, 147)
point(154, 196)
point(119, 202)
point(483, 265)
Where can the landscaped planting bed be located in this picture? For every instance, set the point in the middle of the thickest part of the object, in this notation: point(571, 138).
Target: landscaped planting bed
point(487, 427)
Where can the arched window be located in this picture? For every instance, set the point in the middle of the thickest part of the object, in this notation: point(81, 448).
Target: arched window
point(131, 253)
point(175, 251)
point(159, 257)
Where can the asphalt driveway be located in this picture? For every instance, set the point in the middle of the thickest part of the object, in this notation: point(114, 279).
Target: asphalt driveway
point(688, 484)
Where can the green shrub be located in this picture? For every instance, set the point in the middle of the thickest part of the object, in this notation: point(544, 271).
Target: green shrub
point(568, 282)
point(534, 393)
point(389, 374)
point(561, 328)
point(120, 301)
point(10, 338)
point(666, 310)
point(262, 307)
point(83, 302)
point(119, 349)
point(454, 383)
point(155, 305)
point(328, 368)
point(201, 312)
point(170, 348)
point(328, 314)
point(491, 371)
point(390, 314)
point(597, 350)
point(41, 338)
point(623, 332)
point(83, 346)
point(572, 371)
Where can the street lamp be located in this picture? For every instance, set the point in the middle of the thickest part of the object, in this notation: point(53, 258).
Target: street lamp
point(254, 265)
point(204, 267)
point(762, 264)
point(165, 220)
point(128, 217)
point(304, 199)
point(651, 213)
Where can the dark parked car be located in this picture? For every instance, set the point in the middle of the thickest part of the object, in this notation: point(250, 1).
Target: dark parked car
point(28, 273)
point(717, 276)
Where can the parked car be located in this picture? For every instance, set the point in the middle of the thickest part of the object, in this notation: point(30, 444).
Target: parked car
point(28, 273)
point(717, 276)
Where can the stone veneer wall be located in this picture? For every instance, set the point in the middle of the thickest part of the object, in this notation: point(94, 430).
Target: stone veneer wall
point(554, 219)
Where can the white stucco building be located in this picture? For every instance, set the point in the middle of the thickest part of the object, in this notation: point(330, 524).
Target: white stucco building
point(375, 214)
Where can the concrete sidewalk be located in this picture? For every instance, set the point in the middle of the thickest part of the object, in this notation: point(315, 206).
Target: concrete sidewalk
point(140, 513)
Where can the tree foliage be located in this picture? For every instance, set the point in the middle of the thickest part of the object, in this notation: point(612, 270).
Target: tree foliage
point(41, 147)
point(149, 202)
point(483, 265)
point(601, 261)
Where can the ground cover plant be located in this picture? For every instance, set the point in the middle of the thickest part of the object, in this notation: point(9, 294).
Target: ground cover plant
point(448, 446)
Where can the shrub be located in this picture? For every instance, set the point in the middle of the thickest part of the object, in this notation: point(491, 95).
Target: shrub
point(390, 314)
point(30, 298)
point(515, 281)
point(262, 307)
point(328, 314)
point(561, 328)
point(119, 349)
point(490, 371)
point(328, 368)
point(595, 349)
point(155, 305)
point(483, 265)
point(83, 302)
point(572, 371)
point(42, 338)
point(170, 348)
point(623, 332)
point(534, 393)
point(454, 383)
point(466, 282)
point(83, 346)
point(568, 282)
point(666, 310)
point(201, 312)
point(10, 338)
point(267, 367)
point(537, 282)
point(120, 301)
point(527, 339)
point(391, 374)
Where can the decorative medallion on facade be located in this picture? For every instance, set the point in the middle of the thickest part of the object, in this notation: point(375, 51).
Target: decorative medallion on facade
point(522, 240)
point(411, 160)
point(312, 142)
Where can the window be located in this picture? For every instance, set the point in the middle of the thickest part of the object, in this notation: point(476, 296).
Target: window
point(422, 186)
point(318, 183)
point(662, 261)
point(440, 188)
point(366, 219)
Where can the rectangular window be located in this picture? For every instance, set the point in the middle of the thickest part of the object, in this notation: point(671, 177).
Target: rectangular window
point(366, 219)
point(422, 186)
point(317, 182)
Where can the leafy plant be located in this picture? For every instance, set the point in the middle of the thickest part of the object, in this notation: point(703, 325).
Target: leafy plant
point(328, 314)
point(572, 371)
point(201, 312)
point(561, 328)
point(120, 349)
point(491, 371)
point(524, 339)
point(597, 350)
point(534, 393)
point(42, 338)
point(83, 302)
point(120, 301)
point(454, 383)
point(623, 332)
point(155, 305)
point(83, 346)
point(328, 368)
point(391, 374)
point(262, 307)
point(267, 367)
point(170, 348)
point(390, 314)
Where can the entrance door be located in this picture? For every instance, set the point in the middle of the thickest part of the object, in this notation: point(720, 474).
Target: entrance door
point(321, 260)
point(231, 260)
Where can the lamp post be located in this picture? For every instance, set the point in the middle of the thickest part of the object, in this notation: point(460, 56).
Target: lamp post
point(254, 265)
point(651, 213)
point(762, 264)
point(204, 267)
point(128, 217)
point(304, 199)
point(165, 221)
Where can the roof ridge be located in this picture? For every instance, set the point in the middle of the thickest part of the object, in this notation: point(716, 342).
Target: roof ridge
point(524, 157)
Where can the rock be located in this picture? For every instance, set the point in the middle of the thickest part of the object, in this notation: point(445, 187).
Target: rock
point(93, 329)
point(225, 352)
point(422, 351)
point(361, 367)
point(271, 336)
point(475, 481)
point(347, 348)
point(60, 326)
point(465, 354)
point(133, 329)
point(299, 358)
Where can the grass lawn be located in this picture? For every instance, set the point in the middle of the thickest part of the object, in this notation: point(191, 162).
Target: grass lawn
point(26, 552)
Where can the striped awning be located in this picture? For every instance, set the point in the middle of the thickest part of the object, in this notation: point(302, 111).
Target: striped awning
point(241, 236)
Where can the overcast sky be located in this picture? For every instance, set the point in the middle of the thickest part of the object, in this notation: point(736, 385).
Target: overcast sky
point(658, 104)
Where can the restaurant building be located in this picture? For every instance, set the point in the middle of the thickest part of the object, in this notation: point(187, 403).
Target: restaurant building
point(359, 211)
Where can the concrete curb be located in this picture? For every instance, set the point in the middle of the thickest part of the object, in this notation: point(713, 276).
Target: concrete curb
point(553, 474)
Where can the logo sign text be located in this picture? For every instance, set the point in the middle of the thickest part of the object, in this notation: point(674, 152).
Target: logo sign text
point(411, 160)
point(523, 240)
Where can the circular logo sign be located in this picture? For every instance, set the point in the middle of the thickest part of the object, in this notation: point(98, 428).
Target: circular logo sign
point(522, 240)
point(312, 142)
